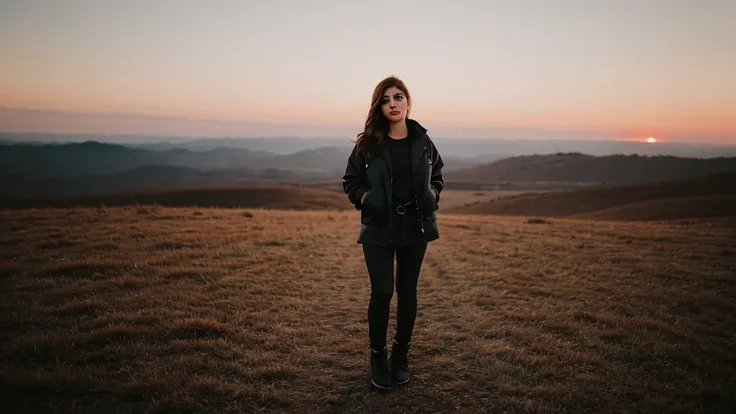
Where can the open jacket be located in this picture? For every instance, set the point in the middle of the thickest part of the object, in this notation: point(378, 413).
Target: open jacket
point(375, 178)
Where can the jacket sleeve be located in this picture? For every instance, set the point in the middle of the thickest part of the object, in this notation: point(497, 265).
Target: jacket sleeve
point(354, 183)
point(436, 181)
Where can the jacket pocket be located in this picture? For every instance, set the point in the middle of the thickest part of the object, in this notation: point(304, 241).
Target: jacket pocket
point(368, 207)
point(374, 206)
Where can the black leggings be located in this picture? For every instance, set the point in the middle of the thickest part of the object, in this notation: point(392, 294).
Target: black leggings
point(380, 263)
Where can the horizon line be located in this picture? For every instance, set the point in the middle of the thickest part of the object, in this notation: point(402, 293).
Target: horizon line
point(487, 132)
point(199, 138)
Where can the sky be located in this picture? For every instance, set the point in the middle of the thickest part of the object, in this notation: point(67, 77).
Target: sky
point(618, 69)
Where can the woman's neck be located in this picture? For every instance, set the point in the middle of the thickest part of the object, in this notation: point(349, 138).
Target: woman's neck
point(398, 130)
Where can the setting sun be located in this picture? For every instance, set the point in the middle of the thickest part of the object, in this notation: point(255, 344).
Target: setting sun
point(651, 140)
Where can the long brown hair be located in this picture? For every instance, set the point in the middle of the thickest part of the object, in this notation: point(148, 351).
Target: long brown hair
point(376, 124)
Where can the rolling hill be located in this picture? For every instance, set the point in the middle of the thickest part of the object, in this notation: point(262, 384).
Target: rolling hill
point(89, 168)
point(146, 177)
point(71, 169)
point(709, 196)
point(719, 205)
point(245, 196)
point(91, 157)
point(75, 159)
point(581, 168)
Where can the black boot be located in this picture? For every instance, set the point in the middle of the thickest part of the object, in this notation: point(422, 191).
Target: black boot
point(380, 374)
point(400, 362)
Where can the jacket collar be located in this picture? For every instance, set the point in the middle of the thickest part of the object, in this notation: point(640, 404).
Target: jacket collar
point(419, 130)
point(419, 143)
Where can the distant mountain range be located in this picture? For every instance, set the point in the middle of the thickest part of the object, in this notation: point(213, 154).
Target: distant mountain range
point(76, 159)
point(485, 149)
point(66, 169)
point(69, 169)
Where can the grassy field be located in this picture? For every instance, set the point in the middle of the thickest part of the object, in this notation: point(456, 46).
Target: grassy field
point(156, 309)
point(459, 198)
point(695, 197)
point(721, 205)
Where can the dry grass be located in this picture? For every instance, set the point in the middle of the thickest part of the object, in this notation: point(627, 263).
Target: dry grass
point(459, 198)
point(204, 310)
point(709, 196)
point(722, 205)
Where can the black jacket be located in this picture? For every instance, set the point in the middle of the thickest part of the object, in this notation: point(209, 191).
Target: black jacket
point(375, 179)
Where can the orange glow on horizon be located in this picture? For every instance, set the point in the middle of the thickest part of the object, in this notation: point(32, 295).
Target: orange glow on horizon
point(628, 122)
point(352, 115)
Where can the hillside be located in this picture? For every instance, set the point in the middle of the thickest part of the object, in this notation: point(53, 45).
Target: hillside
point(657, 200)
point(719, 205)
point(72, 169)
point(91, 157)
point(75, 169)
point(53, 160)
point(580, 168)
point(75, 159)
point(252, 196)
point(150, 177)
point(112, 310)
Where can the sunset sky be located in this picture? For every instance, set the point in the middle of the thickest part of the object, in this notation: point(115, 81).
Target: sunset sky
point(619, 69)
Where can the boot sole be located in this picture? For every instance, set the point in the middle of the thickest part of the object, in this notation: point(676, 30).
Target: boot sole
point(381, 387)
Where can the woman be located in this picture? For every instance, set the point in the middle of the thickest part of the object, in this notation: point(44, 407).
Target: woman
point(394, 177)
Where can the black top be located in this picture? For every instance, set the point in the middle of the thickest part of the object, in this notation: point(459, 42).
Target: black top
point(401, 167)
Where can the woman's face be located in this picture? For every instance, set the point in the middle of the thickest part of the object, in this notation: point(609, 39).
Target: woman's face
point(394, 104)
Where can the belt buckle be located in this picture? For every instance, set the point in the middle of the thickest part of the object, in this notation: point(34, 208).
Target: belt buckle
point(401, 209)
